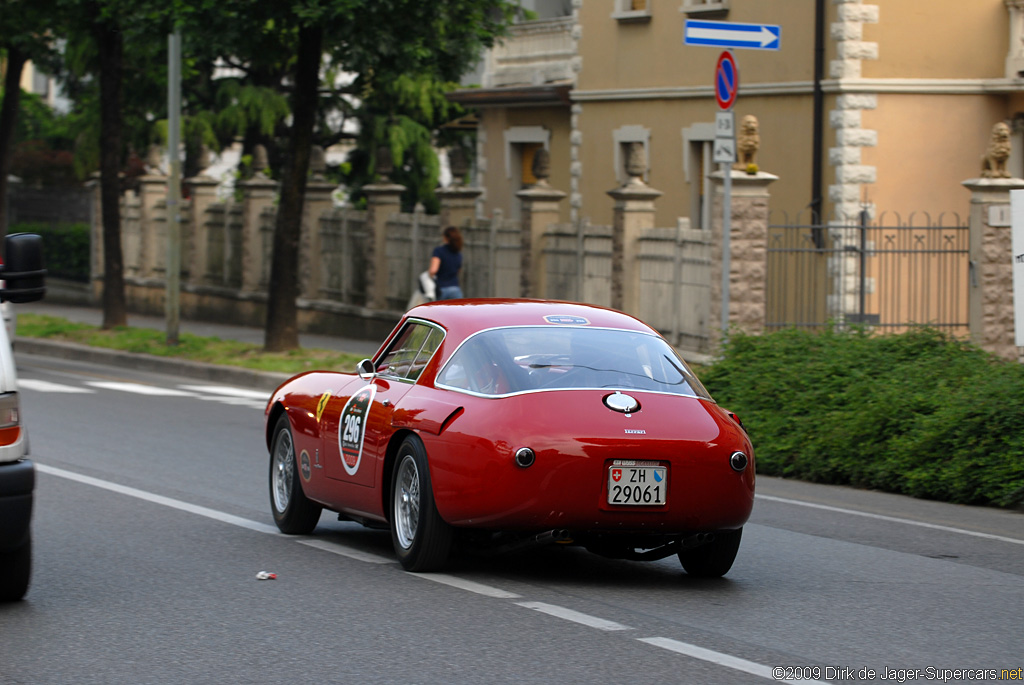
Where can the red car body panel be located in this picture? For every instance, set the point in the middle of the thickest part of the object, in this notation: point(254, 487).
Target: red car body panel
point(471, 440)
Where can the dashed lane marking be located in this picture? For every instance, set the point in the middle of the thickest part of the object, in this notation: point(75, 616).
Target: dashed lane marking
point(228, 391)
point(891, 519)
point(159, 499)
point(711, 656)
point(467, 585)
point(47, 386)
point(574, 616)
point(140, 389)
point(348, 552)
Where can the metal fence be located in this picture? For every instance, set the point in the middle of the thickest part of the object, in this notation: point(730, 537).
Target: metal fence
point(888, 273)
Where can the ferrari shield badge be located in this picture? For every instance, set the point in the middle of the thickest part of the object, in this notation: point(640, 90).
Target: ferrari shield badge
point(322, 404)
point(352, 428)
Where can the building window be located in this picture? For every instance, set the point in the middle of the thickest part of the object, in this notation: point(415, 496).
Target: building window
point(622, 137)
point(705, 7)
point(697, 169)
point(631, 11)
point(521, 144)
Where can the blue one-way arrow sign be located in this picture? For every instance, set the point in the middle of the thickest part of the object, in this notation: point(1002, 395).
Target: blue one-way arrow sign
point(727, 34)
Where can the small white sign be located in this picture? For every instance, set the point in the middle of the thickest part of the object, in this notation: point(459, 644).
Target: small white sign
point(998, 216)
point(1017, 255)
point(725, 150)
point(725, 124)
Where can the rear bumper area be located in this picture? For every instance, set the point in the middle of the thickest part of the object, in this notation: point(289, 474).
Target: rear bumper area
point(17, 482)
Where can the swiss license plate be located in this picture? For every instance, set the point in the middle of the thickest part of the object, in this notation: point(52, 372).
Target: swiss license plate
point(637, 484)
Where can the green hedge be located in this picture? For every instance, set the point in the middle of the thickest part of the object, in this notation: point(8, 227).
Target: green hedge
point(918, 413)
point(65, 248)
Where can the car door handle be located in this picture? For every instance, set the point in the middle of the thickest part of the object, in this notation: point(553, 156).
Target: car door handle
point(386, 403)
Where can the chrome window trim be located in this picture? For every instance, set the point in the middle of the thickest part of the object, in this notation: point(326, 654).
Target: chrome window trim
point(402, 379)
point(466, 391)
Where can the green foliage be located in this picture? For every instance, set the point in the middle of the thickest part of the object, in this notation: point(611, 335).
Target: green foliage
point(192, 347)
point(243, 106)
point(65, 248)
point(402, 116)
point(917, 413)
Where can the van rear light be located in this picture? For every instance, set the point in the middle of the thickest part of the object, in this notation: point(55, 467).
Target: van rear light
point(10, 418)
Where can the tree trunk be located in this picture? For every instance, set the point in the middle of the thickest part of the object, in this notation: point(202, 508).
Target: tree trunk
point(109, 41)
point(8, 119)
point(282, 332)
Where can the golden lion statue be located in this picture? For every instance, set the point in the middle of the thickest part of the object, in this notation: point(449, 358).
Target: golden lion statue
point(993, 163)
point(747, 144)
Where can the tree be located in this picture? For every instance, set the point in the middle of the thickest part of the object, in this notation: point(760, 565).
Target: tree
point(23, 37)
point(97, 33)
point(381, 41)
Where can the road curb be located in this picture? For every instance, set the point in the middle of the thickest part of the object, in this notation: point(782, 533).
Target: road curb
point(215, 373)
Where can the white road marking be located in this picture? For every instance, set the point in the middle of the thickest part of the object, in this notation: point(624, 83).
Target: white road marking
point(140, 389)
point(222, 394)
point(160, 499)
point(229, 391)
point(47, 386)
point(891, 519)
point(341, 550)
point(233, 401)
point(574, 616)
point(468, 585)
point(719, 658)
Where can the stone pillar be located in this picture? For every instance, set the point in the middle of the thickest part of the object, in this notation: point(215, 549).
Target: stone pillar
point(1015, 55)
point(458, 201)
point(152, 226)
point(458, 205)
point(633, 215)
point(748, 251)
point(258, 195)
point(539, 210)
point(990, 297)
point(383, 199)
point(203, 190)
point(319, 201)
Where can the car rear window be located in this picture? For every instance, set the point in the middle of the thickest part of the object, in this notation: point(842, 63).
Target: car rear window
point(503, 361)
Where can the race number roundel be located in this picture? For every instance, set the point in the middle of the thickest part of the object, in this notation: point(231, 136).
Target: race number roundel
point(727, 80)
point(352, 428)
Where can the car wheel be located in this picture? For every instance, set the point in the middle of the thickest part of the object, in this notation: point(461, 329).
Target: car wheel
point(15, 570)
point(714, 559)
point(421, 538)
point(293, 512)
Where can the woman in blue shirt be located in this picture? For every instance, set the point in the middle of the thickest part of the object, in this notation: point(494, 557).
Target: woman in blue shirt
point(445, 263)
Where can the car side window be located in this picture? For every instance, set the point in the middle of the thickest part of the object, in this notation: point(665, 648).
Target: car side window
point(410, 352)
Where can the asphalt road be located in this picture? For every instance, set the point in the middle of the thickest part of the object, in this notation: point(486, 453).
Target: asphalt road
point(152, 522)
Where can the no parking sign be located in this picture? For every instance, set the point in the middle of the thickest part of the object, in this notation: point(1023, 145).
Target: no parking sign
point(727, 80)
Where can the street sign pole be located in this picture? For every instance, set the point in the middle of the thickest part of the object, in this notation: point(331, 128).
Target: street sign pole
point(172, 306)
point(728, 35)
point(727, 80)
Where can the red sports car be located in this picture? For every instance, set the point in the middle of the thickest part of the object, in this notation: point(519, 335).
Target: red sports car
point(506, 423)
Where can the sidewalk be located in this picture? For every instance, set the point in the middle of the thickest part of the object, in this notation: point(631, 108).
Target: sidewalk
point(141, 362)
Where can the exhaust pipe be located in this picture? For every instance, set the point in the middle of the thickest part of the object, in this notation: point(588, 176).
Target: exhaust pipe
point(549, 537)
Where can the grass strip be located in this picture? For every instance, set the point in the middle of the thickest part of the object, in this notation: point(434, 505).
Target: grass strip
point(190, 347)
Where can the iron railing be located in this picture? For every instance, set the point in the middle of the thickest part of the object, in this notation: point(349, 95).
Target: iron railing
point(887, 273)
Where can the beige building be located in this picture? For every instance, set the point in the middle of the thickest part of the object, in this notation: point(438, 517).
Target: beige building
point(885, 102)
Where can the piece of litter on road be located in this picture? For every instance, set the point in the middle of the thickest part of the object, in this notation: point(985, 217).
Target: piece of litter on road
point(263, 575)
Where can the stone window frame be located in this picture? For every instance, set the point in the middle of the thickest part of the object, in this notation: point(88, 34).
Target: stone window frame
point(519, 135)
point(631, 133)
point(705, 7)
point(700, 133)
point(623, 11)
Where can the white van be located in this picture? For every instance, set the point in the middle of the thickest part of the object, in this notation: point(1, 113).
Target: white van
point(24, 281)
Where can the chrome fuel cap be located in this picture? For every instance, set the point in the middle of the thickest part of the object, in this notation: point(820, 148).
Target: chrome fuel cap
point(621, 403)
